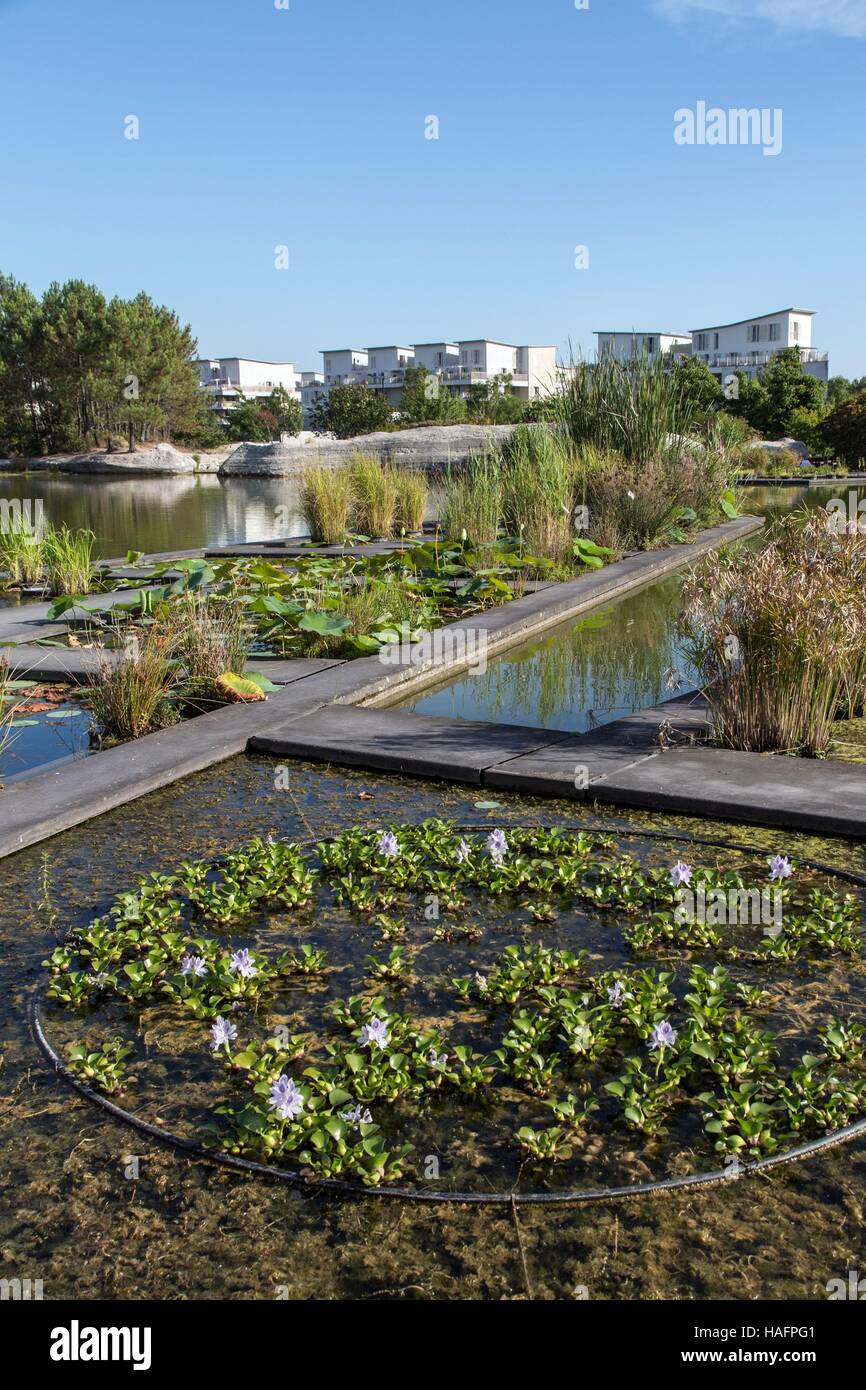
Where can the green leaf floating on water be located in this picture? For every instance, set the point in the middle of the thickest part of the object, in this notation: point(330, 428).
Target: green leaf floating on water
point(325, 624)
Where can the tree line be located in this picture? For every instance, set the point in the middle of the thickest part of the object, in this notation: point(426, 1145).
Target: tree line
point(79, 371)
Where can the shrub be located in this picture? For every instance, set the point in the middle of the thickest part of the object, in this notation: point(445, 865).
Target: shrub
point(779, 637)
point(326, 501)
point(351, 410)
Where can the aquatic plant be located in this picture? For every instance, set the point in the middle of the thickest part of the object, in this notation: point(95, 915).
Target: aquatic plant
point(67, 557)
point(780, 641)
point(412, 494)
point(631, 1049)
point(130, 698)
point(326, 501)
point(375, 493)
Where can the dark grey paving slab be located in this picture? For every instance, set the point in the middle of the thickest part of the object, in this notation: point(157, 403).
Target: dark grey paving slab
point(820, 796)
point(571, 767)
point(78, 665)
point(53, 801)
point(391, 741)
point(30, 621)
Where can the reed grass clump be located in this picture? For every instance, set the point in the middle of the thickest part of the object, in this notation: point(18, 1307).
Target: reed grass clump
point(779, 637)
point(412, 493)
point(538, 491)
point(132, 698)
point(326, 503)
point(471, 499)
point(632, 407)
point(207, 637)
point(375, 494)
point(21, 554)
point(68, 560)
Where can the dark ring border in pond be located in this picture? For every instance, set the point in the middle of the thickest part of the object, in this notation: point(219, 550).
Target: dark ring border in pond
point(409, 1194)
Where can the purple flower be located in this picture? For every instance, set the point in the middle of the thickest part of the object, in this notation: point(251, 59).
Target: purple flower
point(463, 852)
point(357, 1117)
point(222, 1033)
point(616, 994)
point(480, 982)
point(242, 964)
point(497, 845)
point(663, 1035)
point(193, 965)
point(375, 1033)
point(780, 867)
point(681, 873)
point(388, 847)
point(286, 1099)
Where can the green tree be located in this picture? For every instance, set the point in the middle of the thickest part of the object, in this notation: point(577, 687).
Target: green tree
point(77, 371)
point(844, 430)
point(697, 383)
point(493, 403)
point(351, 409)
point(788, 389)
point(424, 398)
point(266, 418)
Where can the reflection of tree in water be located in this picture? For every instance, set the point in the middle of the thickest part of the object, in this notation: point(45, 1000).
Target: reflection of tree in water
point(163, 513)
point(614, 661)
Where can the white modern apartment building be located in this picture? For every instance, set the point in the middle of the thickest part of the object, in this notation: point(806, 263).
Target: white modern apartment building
point(457, 366)
point(612, 342)
point(226, 379)
point(748, 345)
point(745, 346)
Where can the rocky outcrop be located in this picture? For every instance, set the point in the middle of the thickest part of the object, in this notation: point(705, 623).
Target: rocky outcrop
point(162, 458)
point(425, 448)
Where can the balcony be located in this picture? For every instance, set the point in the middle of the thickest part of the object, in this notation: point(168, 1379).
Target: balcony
point(758, 358)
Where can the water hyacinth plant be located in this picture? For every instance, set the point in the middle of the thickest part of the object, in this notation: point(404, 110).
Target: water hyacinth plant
point(570, 1048)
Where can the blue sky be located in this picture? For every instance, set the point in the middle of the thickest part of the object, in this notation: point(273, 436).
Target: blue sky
point(306, 128)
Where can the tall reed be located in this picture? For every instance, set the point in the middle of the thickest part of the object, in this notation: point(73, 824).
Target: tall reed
point(538, 491)
point(208, 637)
point(632, 407)
point(326, 501)
point(21, 556)
point(132, 698)
point(412, 493)
point(471, 499)
point(779, 637)
point(374, 494)
point(68, 560)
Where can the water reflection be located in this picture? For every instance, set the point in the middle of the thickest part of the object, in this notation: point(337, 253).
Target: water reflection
point(156, 514)
point(614, 661)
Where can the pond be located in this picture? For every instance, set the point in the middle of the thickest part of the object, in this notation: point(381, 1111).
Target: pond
point(621, 657)
point(158, 514)
point(103, 1212)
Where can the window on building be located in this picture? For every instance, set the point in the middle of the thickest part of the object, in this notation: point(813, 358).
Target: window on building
point(649, 344)
point(754, 333)
point(716, 342)
point(477, 356)
point(702, 342)
point(327, 364)
point(796, 330)
point(773, 334)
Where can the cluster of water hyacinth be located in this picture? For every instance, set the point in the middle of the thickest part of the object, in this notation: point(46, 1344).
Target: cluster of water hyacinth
point(565, 1048)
